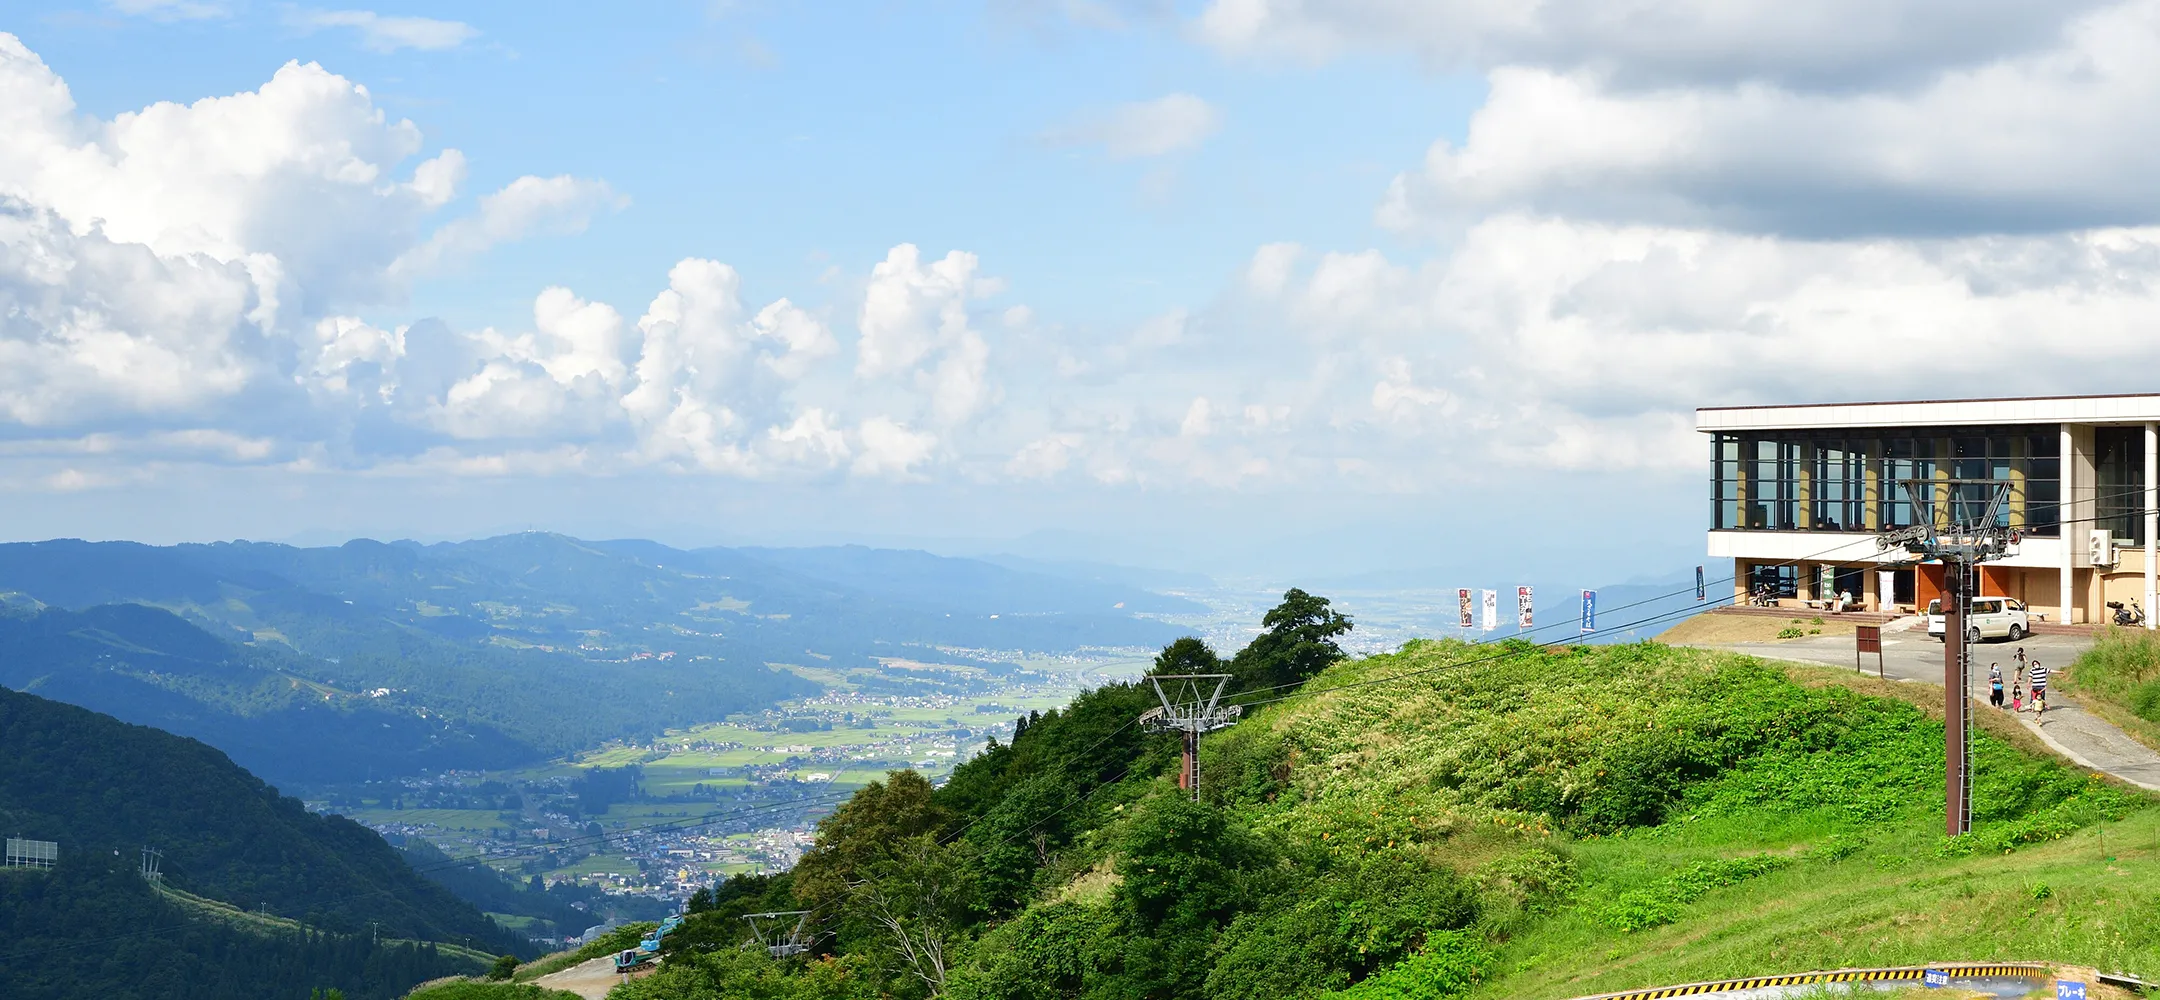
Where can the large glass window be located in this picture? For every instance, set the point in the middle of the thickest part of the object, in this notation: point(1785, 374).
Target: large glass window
point(1838, 498)
point(1855, 480)
point(2119, 458)
point(1906, 461)
point(1780, 580)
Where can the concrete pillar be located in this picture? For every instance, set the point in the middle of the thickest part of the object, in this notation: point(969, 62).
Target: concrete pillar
point(2152, 512)
point(1871, 595)
point(2067, 529)
point(1805, 473)
point(1872, 488)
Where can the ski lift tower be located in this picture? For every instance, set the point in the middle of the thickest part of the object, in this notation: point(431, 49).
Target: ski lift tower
point(777, 942)
point(1962, 523)
point(1191, 704)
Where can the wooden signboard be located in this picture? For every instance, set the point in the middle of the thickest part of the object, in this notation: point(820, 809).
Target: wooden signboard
point(1868, 639)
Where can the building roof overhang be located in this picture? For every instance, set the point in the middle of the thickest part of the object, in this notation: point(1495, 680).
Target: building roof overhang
point(2118, 409)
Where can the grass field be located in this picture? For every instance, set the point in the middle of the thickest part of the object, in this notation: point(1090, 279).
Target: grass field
point(1794, 817)
point(2119, 680)
point(2092, 896)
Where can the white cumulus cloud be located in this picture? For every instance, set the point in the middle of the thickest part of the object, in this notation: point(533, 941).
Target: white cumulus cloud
point(915, 324)
point(2055, 138)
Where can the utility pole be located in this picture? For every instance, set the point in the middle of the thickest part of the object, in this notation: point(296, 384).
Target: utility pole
point(1190, 705)
point(1962, 523)
point(151, 859)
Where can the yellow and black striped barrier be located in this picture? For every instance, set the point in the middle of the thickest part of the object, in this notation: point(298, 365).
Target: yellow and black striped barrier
point(1910, 972)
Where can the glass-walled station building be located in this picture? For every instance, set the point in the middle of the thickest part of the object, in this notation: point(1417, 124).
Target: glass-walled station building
point(1798, 493)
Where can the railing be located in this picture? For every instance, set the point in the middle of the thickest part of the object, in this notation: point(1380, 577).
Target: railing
point(1905, 973)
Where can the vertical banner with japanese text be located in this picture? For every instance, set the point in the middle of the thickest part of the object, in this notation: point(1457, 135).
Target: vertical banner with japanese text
point(1523, 619)
point(1492, 610)
point(1700, 594)
point(1589, 610)
point(1462, 601)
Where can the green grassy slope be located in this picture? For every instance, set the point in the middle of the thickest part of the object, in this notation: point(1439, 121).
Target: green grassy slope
point(1642, 815)
point(2119, 680)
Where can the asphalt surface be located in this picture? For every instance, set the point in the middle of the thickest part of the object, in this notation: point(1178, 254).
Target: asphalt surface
point(1910, 655)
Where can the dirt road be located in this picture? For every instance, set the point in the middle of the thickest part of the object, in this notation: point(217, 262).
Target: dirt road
point(591, 980)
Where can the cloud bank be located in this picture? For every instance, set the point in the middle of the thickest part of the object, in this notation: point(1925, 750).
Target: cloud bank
point(1658, 206)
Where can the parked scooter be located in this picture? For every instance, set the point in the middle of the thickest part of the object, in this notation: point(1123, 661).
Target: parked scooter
point(2132, 615)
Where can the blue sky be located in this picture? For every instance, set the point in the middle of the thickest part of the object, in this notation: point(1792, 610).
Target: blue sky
point(1250, 286)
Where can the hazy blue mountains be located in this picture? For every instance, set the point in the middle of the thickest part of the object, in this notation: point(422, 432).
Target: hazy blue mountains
point(335, 663)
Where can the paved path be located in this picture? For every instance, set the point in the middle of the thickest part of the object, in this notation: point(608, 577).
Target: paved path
point(591, 980)
point(2083, 737)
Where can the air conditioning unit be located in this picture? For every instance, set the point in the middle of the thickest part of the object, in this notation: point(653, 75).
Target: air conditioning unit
point(2100, 549)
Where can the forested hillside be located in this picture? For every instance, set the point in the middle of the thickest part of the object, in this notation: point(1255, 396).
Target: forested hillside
point(91, 929)
point(103, 789)
point(1451, 820)
point(258, 703)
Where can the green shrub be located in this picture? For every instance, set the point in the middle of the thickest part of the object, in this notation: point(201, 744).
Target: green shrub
point(1536, 879)
point(1364, 912)
point(1790, 632)
point(1450, 965)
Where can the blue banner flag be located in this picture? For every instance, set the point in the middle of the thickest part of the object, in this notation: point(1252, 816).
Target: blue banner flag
point(1699, 592)
point(1589, 610)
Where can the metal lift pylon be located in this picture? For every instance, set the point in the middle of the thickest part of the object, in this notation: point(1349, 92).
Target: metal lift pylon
point(776, 943)
point(1191, 704)
point(1962, 523)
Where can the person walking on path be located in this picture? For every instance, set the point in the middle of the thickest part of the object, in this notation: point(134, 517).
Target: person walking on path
point(2039, 686)
point(1995, 692)
point(2017, 696)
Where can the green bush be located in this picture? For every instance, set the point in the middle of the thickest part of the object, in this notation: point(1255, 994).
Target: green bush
point(735, 974)
point(1450, 966)
point(1364, 912)
point(1790, 632)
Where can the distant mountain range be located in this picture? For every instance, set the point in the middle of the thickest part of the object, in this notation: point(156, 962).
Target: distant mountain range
point(331, 664)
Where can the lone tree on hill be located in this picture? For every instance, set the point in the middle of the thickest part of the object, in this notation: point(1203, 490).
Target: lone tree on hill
point(1187, 656)
point(1299, 642)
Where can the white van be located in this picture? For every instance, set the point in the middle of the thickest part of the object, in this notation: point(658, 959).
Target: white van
point(1991, 617)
